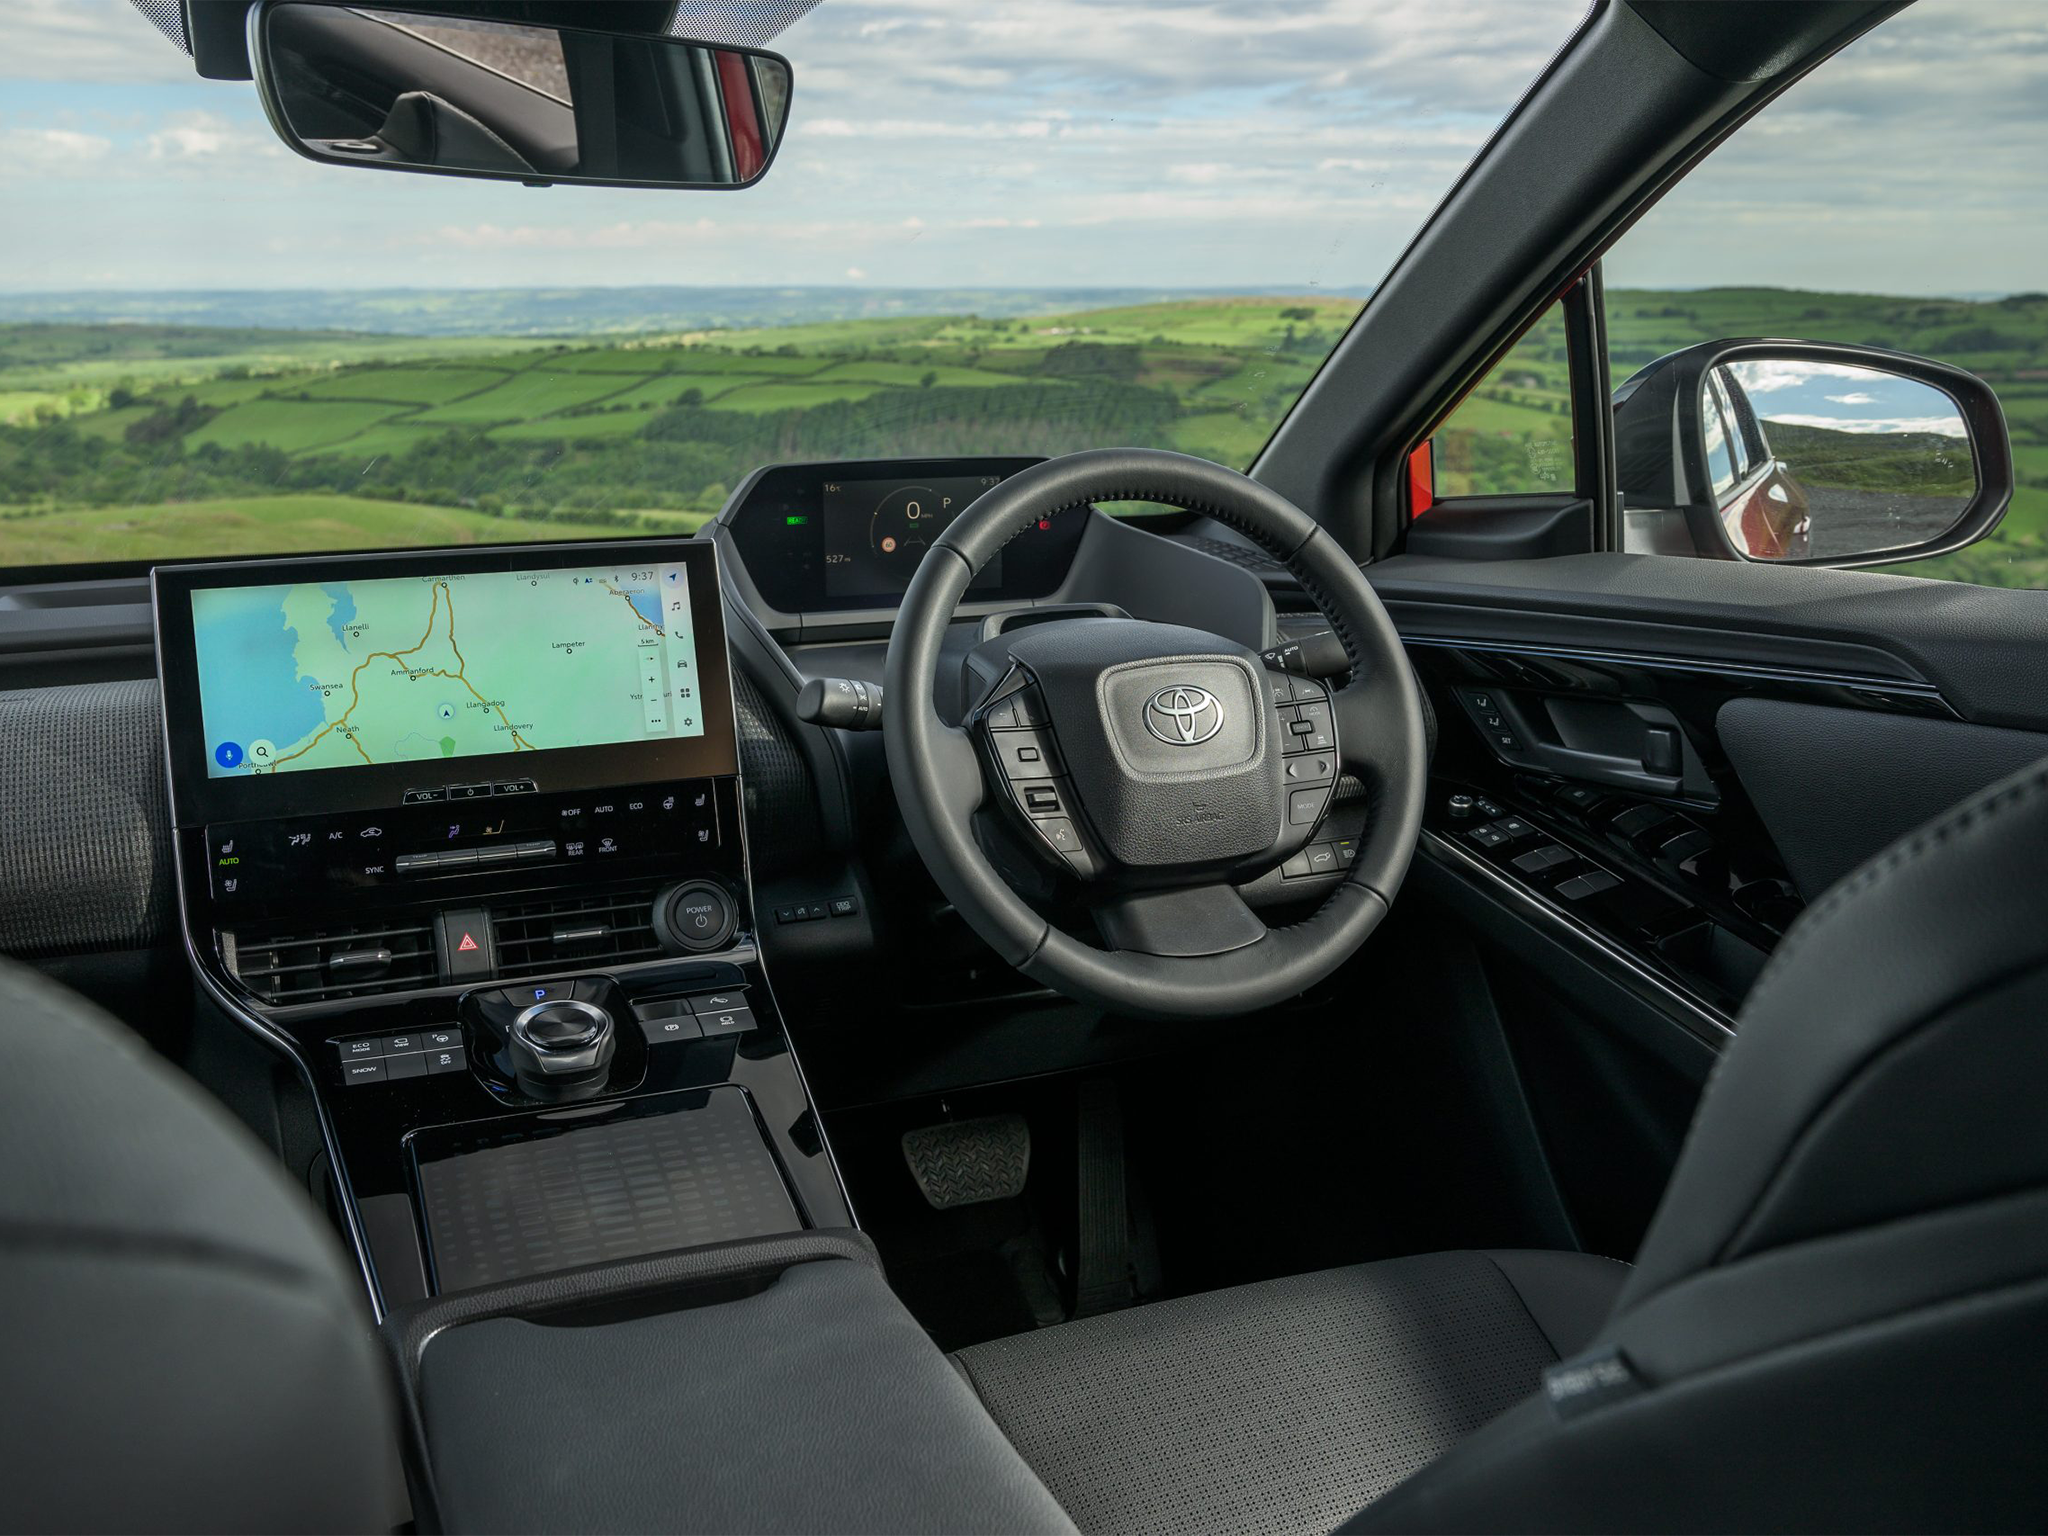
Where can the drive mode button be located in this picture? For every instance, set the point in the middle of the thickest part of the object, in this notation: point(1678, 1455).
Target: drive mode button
point(695, 917)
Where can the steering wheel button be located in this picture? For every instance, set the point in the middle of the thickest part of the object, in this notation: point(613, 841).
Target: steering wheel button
point(1305, 806)
point(1322, 859)
point(1042, 799)
point(1026, 754)
point(1028, 706)
point(1310, 768)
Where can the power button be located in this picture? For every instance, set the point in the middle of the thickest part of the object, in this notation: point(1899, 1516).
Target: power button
point(695, 917)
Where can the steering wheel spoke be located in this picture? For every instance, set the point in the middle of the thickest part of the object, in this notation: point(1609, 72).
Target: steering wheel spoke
point(1189, 921)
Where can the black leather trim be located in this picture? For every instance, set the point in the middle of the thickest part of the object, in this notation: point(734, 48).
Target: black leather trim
point(814, 1404)
point(1834, 786)
point(1569, 1295)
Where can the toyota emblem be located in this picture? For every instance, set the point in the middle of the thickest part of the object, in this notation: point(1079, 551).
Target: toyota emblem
point(1183, 716)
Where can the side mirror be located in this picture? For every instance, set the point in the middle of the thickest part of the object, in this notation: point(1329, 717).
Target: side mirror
point(1806, 453)
point(399, 88)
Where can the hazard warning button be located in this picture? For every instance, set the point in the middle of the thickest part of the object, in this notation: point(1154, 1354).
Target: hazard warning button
point(462, 940)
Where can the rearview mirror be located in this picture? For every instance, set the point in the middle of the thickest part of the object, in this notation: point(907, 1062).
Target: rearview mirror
point(410, 90)
point(1809, 454)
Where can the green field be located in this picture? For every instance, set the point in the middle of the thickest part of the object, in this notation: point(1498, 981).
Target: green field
point(142, 441)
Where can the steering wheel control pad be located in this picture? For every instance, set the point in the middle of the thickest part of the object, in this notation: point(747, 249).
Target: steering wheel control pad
point(1161, 747)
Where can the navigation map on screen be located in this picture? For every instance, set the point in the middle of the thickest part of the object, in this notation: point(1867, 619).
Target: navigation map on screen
point(425, 668)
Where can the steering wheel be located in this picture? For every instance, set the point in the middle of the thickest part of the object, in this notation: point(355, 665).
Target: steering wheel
point(1154, 763)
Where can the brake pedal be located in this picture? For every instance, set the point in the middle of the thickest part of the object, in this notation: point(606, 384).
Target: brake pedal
point(969, 1162)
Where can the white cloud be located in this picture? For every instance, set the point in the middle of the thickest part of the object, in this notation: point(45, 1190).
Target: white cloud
point(1857, 398)
point(50, 151)
point(198, 136)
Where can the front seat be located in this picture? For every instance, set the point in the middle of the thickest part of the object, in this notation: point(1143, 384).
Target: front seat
point(1838, 1318)
point(185, 1347)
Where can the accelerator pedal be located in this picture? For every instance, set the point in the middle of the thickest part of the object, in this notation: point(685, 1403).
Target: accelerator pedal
point(969, 1162)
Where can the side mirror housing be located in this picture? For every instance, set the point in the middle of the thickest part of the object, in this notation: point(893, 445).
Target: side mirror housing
point(1808, 453)
point(410, 87)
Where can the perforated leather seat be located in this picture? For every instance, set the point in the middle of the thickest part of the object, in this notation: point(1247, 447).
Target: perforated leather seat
point(1838, 1320)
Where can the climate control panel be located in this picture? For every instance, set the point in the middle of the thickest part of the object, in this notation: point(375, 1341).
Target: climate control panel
point(452, 848)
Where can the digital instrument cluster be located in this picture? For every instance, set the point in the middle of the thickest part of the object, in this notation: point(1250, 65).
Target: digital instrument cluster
point(840, 536)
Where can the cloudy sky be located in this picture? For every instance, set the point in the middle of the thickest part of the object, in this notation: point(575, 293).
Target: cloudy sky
point(1067, 142)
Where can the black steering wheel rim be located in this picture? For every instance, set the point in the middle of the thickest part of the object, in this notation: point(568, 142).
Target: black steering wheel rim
point(939, 786)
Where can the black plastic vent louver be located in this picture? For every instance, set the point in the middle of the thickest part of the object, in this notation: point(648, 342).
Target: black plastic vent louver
point(314, 965)
point(575, 930)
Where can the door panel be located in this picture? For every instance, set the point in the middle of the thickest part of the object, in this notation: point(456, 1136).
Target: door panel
point(1834, 786)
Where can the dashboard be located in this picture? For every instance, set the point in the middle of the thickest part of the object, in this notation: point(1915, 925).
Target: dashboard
point(848, 535)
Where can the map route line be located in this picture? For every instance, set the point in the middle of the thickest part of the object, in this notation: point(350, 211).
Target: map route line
point(355, 693)
point(627, 599)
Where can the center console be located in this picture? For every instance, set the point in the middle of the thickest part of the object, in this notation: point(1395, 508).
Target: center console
point(462, 835)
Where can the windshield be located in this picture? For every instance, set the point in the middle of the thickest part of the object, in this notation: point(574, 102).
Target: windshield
point(988, 231)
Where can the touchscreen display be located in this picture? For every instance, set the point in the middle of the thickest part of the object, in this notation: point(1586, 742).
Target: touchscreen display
point(876, 531)
point(342, 673)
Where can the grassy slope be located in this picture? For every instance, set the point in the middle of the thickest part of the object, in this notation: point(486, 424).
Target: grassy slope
point(1235, 364)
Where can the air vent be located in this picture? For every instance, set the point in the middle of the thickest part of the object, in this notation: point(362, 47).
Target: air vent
point(575, 930)
point(316, 965)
